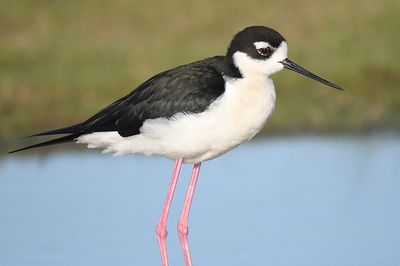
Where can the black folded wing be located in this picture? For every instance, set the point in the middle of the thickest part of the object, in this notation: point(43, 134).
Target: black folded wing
point(185, 89)
point(189, 89)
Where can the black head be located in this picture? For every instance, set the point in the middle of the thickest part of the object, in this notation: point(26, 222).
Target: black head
point(244, 41)
point(259, 50)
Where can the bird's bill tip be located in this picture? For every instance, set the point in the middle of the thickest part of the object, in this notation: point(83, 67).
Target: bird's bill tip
point(288, 64)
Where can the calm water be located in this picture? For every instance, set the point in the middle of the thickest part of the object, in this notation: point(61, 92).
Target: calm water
point(283, 201)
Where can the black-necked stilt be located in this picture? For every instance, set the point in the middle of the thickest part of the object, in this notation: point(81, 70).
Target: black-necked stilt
point(192, 113)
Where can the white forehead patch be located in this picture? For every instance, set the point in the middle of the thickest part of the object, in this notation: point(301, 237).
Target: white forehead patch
point(261, 44)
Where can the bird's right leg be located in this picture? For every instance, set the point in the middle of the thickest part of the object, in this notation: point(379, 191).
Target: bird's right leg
point(162, 223)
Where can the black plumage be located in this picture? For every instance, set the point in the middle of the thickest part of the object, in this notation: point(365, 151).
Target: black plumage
point(188, 88)
point(243, 41)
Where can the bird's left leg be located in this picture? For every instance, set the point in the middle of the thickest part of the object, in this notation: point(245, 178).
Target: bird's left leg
point(183, 221)
point(162, 223)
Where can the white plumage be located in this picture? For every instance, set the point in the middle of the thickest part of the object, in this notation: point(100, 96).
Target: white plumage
point(233, 118)
point(236, 116)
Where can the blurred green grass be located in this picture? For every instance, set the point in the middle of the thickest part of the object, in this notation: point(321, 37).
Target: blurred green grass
point(61, 61)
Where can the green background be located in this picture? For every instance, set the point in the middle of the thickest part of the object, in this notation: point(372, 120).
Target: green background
point(62, 61)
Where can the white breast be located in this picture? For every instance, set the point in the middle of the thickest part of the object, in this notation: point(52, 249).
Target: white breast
point(233, 118)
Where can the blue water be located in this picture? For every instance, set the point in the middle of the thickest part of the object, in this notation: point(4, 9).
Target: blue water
point(281, 201)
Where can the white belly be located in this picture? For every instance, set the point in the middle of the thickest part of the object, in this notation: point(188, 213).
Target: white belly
point(233, 118)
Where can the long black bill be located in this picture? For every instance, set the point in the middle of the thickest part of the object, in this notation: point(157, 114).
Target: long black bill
point(296, 68)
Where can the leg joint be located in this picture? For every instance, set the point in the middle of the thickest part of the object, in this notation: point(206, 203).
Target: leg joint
point(161, 231)
point(183, 229)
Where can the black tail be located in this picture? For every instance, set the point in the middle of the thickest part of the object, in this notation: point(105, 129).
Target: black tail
point(65, 130)
point(64, 139)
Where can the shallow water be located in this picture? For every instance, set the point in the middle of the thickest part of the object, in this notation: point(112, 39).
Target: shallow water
point(281, 201)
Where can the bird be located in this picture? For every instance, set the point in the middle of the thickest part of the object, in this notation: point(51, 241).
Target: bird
point(191, 113)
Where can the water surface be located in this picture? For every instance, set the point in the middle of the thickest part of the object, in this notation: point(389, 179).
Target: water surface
point(281, 201)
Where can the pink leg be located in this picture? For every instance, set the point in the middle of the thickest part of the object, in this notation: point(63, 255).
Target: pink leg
point(162, 223)
point(183, 221)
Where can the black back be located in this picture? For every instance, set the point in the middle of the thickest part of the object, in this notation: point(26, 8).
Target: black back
point(189, 88)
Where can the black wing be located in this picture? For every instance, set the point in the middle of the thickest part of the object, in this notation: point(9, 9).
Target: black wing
point(189, 88)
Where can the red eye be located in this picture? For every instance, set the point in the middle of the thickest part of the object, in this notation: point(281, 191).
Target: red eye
point(265, 51)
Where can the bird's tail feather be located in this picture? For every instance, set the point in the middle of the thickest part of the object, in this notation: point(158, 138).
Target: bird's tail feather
point(64, 130)
point(68, 138)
